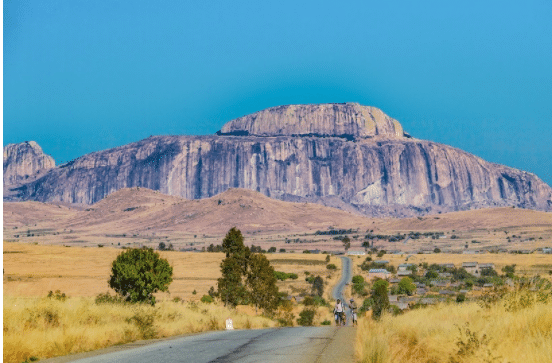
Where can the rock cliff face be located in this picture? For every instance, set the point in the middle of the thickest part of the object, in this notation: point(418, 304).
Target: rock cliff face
point(23, 161)
point(361, 161)
point(348, 120)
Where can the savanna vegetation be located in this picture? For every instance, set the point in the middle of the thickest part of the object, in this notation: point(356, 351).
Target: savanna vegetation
point(504, 325)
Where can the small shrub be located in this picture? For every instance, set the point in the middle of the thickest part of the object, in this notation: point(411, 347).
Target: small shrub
point(144, 322)
point(58, 295)
point(207, 299)
point(326, 322)
point(331, 266)
point(107, 299)
point(306, 317)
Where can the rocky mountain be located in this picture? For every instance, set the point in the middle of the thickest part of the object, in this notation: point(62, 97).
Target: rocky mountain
point(343, 155)
point(23, 161)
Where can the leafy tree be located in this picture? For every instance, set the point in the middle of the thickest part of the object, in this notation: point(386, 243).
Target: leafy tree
point(262, 283)
point(358, 279)
point(380, 298)
point(431, 274)
point(138, 273)
point(406, 286)
point(509, 270)
point(233, 246)
point(162, 246)
point(318, 286)
point(331, 266)
point(230, 286)
point(327, 258)
point(488, 271)
point(272, 249)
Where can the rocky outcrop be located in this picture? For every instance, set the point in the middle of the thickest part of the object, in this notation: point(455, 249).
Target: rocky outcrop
point(348, 120)
point(377, 171)
point(23, 161)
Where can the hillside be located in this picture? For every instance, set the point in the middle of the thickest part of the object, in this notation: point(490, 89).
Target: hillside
point(139, 215)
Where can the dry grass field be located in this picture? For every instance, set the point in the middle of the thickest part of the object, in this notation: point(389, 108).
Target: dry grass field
point(78, 324)
point(34, 270)
point(43, 328)
point(517, 329)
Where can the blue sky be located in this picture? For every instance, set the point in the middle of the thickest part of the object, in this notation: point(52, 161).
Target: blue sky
point(82, 76)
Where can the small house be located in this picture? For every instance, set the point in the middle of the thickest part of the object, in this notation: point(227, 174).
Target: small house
point(472, 268)
point(381, 273)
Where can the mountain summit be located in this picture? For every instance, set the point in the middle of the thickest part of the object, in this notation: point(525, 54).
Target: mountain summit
point(349, 120)
point(342, 155)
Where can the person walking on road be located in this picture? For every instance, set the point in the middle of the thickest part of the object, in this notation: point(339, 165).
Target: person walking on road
point(338, 312)
point(353, 308)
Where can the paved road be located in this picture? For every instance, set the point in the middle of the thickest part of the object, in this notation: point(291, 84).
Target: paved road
point(300, 344)
point(346, 277)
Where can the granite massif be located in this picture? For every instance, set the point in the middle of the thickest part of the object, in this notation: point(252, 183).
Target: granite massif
point(343, 155)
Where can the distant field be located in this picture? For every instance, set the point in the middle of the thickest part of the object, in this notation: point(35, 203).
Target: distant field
point(34, 270)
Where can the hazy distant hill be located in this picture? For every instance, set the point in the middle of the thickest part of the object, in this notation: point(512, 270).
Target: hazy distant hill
point(348, 156)
point(139, 210)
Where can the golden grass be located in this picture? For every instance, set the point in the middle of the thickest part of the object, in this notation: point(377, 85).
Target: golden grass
point(433, 335)
point(34, 270)
point(44, 327)
point(36, 326)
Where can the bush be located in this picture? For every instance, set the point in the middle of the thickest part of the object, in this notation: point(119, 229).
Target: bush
point(108, 299)
point(306, 317)
point(461, 298)
point(406, 286)
point(326, 322)
point(144, 322)
point(138, 273)
point(331, 266)
point(58, 295)
point(358, 279)
point(207, 299)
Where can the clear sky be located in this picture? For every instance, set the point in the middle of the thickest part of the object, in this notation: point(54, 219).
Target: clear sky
point(83, 76)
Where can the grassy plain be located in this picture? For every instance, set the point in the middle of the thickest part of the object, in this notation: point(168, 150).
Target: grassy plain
point(34, 270)
point(36, 326)
point(43, 327)
point(511, 330)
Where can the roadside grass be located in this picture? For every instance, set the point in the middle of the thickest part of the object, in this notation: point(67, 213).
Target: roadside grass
point(515, 329)
point(44, 327)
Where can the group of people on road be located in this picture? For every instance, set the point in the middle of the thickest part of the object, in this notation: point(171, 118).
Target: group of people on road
point(339, 312)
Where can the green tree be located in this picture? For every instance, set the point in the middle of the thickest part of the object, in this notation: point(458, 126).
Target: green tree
point(231, 289)
point(262, 283)
point(233, 246)
point(380, 298)
point(318, 286)
point(138, 273)
point(406, 286)
point(509, 270)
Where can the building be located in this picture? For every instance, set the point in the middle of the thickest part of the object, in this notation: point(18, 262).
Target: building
point(472, 268)
point(356, 253)
point(381, 273)
point(405, 266)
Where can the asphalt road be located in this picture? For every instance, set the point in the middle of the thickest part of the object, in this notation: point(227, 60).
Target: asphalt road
point(346, 277)
point(300, 344)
